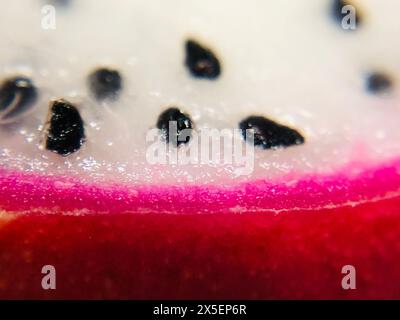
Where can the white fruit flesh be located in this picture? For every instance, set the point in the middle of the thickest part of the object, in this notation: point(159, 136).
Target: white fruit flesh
point(286, 61)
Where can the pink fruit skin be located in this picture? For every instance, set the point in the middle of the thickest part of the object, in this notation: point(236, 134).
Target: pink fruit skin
point(113, 242)
point(293, 255)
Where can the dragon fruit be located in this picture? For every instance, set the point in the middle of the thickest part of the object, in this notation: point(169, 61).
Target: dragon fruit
point(104, 173)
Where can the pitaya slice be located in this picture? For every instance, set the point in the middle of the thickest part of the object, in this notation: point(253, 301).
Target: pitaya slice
point(81, 91)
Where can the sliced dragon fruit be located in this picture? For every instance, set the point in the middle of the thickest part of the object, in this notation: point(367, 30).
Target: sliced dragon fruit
point(104, 108)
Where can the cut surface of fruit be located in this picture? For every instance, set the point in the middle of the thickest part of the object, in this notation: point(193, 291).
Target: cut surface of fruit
point(307, 74)
point(93, 182)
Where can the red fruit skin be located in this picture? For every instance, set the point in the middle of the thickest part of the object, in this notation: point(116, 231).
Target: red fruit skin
point(290, 255)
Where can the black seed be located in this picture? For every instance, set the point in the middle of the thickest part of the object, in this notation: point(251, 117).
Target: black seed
point(378, 83)
point(176, 120)
point(269, 134)
point(105, 83)
point(202, 63)
point(65, 132)
point(17, 95)
point(337, 7)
